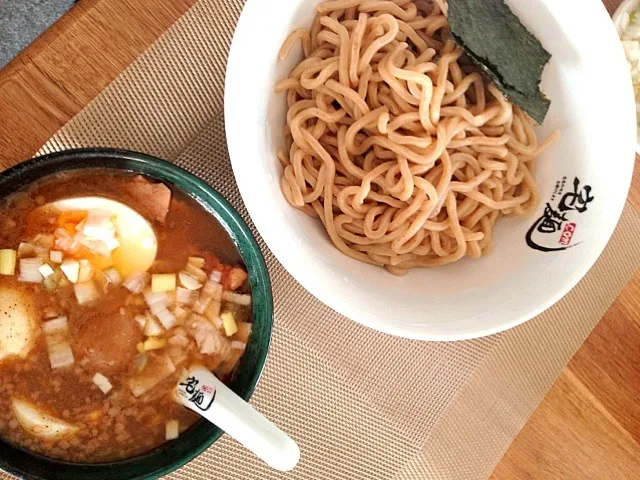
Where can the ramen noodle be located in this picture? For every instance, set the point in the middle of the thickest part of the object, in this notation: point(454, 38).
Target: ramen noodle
point(395, 141)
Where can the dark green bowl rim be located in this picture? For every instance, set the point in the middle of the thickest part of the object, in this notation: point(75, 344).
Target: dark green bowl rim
point(230, 219)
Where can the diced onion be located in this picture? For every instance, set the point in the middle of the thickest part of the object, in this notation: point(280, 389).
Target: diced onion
point(215, 276)
point(86, 292)
point(152, 328)
point(157, 303)
point(97, 223)
point(29, 272)
point(179, 340)
point(55, 326)
point(240, 299)
point(197, 262)
point(197, 273)
point(159, 368)
point(112, 243)
point(113, 276)
point(43, 240)
point(217, 322)
point(96, 246)
point(102, 383)
point(213, 290)
point(140, 361)
point(45, 270)
point(141, 320)
point(167, 319)
point(60, 355)
point(213, 311)
point(26, 250)
point(201, 304)
point(236, 345)
point(71, 270)
point(180, 313)
point(210, 341)
point(55, 256)
point(136, 282)
point(171, 299)
point(237, 276)
point(172, 430)
point(189, 282)
point(155, 299)
point(85, 272)
point(185, 296)
point(8, 260)
point(50, 312)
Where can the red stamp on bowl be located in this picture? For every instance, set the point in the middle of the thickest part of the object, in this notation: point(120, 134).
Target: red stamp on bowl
point(567, 234)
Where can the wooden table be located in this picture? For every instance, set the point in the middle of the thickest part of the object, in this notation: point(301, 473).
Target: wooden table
point(588, 426)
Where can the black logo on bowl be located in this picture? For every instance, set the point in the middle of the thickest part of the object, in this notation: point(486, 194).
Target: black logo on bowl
point(556, 228)
point(202, 396)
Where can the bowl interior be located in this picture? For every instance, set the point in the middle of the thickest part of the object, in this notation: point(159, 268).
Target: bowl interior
point(174, 454)
point(473, 297)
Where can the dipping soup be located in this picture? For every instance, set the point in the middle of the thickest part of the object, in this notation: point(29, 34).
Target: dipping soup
point(111, 284)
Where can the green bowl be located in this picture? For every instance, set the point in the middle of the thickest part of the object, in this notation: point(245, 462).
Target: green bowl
point(192, 443)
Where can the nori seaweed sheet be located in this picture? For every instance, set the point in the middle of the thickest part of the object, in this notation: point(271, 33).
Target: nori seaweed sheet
point(494, 38)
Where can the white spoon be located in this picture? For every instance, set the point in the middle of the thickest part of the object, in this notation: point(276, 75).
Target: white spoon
point(199, 390)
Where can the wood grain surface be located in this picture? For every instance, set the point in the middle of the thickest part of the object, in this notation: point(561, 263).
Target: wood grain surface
point(588, 426)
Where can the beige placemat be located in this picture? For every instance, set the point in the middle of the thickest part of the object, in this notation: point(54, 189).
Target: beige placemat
point(361, 404)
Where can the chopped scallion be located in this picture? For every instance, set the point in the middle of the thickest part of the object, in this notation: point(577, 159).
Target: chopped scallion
point(8, 260)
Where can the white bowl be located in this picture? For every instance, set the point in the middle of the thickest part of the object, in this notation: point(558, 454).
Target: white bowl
point(471, 298)
point(627, 6)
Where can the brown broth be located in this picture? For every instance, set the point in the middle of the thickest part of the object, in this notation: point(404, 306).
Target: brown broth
point(113, 426)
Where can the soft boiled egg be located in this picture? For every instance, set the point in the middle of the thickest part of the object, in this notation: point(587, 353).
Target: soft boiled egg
point(39, 423)
point(138, 245)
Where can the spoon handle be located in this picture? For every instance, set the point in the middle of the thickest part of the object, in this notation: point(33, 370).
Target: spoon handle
point(203, 393)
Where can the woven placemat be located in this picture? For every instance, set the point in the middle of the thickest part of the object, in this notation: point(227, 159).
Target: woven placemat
point(361, 404)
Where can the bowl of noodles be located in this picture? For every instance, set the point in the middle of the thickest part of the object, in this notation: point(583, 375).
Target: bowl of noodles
point(396, 181)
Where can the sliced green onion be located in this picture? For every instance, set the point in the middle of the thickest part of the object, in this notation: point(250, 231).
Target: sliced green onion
point(8, 260)
point(163, 282)
point(229, 323)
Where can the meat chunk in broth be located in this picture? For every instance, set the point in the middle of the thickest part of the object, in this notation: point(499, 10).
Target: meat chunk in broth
point(107, 343)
